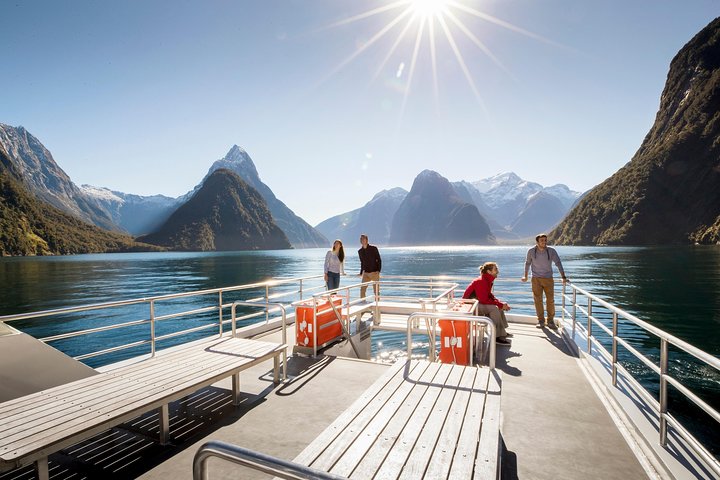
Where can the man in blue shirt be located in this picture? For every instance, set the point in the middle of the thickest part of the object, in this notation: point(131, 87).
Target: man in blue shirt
point(540, 258)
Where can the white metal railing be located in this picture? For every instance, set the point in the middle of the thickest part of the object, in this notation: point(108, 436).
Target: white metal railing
point(661, 369)
point(255, 460)
point(268, 299)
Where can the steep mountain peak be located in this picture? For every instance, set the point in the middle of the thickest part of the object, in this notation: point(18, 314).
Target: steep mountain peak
point(237, 160)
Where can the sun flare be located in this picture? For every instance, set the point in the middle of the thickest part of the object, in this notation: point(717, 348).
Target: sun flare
point(430, 22)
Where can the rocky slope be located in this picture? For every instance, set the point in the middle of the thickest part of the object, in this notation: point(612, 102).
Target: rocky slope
point(43, 178)
point(668, 192)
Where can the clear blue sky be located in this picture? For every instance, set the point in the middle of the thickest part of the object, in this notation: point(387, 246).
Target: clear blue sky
point(142, 96)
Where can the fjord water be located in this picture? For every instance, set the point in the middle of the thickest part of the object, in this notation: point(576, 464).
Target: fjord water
point(675, 288)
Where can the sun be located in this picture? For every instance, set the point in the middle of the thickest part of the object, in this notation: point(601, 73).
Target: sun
point(428, 8)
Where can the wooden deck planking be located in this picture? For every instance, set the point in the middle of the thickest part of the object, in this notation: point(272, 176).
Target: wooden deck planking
point(397, 456)
point(144, 398)
point(455, 421)
point(352, 429)
point(69, 404)
point(374, 458)
point(434, 424)
point(94, 404)
point(359, 446)
point(312, 451)
point(424, 447)
point(487, 460)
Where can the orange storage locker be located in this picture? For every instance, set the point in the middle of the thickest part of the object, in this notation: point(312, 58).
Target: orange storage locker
point(328, 326)
point(455, 337)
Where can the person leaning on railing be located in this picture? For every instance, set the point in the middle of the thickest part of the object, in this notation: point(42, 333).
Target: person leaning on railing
point(488, 305)
point(540, 258)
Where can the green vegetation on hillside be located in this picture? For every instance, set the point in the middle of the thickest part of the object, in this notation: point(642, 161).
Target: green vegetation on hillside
point(225, 214)
point(29, 226)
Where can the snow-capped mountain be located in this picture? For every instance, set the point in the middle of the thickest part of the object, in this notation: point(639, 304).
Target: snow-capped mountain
point(135, 214)
point(508, 196)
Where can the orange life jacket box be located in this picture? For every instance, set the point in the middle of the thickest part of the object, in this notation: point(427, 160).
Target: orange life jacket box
point(455, 337)
point(326, 322)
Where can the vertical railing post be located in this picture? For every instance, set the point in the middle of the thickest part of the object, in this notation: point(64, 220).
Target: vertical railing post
point(152, 328)
point(663, 390)
point(267, 300)
point(220, 312)
point(301, 288)
point(589, 326)
point(614, 348)
point(574, 314)
point(562, 306)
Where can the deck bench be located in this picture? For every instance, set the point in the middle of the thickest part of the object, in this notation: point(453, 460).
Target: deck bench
point(38, 425)
point(419, 420)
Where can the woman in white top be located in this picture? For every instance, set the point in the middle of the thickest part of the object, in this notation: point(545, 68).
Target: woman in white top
point(334, 265)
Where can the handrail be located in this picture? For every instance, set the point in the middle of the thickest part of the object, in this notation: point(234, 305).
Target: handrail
point(666, 339)
point(255, 460)
point(283, 329)
point(451, 316)
point(151, 302)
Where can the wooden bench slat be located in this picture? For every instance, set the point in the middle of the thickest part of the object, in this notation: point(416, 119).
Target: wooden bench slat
point(395, 461)
point(459, 417)
point(142, 394)
point(322, 441)
point(440, 421)
point(370, 462)
point(355, 444)
point(95, 382)
point(487, 461)
point(116, 390)
point(467, 448)
point(73, 412)
point(424, 447)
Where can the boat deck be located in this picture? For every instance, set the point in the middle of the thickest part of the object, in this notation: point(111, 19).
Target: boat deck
point(282, 420)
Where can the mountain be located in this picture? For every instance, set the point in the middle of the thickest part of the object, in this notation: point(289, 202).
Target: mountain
point(29, 226)
point(135, 214)
point(373, 219)
point(433, 214)
point(542, 212)
point(470, 194)
point(298, 231)
point(46, 180)
point(668, 193)
point(225, 213)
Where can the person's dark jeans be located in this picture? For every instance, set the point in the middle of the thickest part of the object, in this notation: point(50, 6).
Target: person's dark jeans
point(333, 280)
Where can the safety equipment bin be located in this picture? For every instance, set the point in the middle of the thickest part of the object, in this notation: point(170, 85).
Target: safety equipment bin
point(455, 335)
point(322, 320)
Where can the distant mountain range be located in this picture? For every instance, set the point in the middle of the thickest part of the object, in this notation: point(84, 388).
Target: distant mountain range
point(669, 192)
point(511, 207)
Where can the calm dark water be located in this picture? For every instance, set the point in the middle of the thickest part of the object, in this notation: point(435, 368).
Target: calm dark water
point(676, 289)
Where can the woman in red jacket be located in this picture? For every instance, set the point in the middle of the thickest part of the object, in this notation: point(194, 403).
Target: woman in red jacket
point(489, 306)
